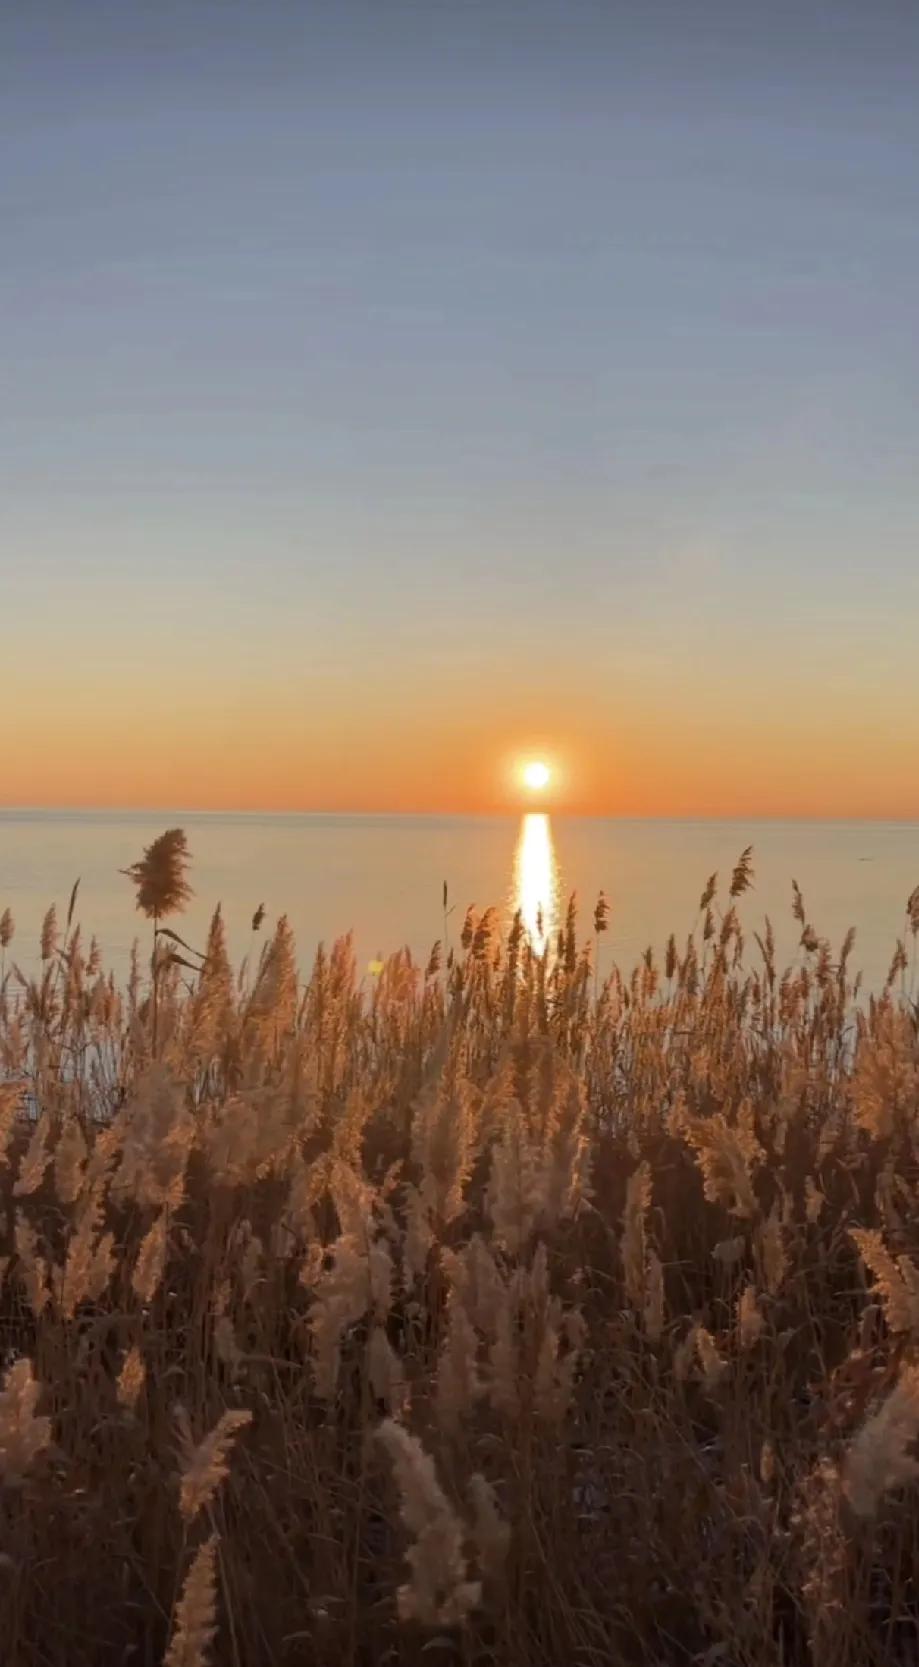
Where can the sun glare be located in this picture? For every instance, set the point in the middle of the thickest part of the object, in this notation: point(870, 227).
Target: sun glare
point(536, 774)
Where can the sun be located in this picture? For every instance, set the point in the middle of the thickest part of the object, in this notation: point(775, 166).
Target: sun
point(536, 774)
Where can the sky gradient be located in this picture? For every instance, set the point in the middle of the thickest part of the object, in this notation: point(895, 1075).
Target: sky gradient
point(391, 391)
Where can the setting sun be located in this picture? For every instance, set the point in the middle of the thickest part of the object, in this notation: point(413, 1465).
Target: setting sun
point(536, 774)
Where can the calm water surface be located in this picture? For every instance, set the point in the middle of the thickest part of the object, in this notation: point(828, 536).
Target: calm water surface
point(383, 876)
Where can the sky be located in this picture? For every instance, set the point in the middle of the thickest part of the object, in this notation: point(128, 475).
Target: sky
point(391, 392)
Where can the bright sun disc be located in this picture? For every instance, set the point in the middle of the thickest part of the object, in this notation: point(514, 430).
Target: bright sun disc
point(536, 774)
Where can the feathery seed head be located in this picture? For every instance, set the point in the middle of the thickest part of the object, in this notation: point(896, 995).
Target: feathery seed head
point(206, 1465)
point(160, 875)
point(22, 1434)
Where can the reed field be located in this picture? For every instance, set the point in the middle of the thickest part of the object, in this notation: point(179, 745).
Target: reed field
point(486, 1311)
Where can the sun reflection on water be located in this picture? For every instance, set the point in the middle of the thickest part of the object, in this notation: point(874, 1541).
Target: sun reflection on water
point(536, 883)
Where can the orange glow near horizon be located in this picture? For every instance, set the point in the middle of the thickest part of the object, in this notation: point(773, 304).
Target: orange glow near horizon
point(208, 748)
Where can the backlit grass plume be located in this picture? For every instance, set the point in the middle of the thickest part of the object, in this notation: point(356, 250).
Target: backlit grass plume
point(207, 1464)
point(22, 1434)
point(195, 1620)
point(160, 876)
point(438, 1591)
point(882, 1456)
point(162, 889)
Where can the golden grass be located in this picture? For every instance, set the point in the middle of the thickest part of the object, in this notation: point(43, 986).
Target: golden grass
point(492, 1315)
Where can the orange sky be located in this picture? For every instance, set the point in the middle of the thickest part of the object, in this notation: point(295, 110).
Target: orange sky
point(279, 739)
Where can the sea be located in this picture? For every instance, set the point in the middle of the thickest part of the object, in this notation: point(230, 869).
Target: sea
point(382, 878)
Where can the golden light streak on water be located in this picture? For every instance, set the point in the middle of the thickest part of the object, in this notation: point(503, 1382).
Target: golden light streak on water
point(535, 889)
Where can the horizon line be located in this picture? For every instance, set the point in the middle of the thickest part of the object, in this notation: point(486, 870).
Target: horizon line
point(456, 815)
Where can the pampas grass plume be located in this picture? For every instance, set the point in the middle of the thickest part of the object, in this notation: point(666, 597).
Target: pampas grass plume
point(22, 1434)
point(131, 1378)
point(159, 876)
point(195, 1621)
point(206, 1465)
point(438, 1592)
point(880, 1457)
